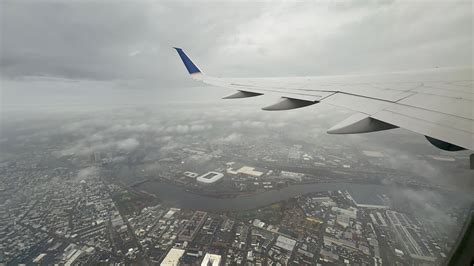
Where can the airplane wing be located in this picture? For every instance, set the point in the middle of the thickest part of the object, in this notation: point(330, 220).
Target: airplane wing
point(437, 103)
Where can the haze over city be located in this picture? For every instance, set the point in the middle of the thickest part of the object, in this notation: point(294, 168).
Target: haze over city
point(110, 153)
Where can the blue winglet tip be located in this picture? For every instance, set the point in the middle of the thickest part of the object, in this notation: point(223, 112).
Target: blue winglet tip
point(190, 66)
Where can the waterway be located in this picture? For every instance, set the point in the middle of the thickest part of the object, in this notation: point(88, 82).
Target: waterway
point(179, 197)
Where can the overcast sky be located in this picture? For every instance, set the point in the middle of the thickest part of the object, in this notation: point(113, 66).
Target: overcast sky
point(78, 52)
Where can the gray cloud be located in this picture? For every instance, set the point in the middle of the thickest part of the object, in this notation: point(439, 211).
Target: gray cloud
point(432, 206)
point(96, 40)
point(105, 46)
point(87, 173)
point(132, 131)
point(91, 54)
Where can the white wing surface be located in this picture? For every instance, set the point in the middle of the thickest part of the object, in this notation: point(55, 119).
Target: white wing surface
point(437, 103)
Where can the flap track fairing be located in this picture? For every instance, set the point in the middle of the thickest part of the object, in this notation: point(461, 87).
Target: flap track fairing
point(242, 94)
point(288, 104)
point(359, 123)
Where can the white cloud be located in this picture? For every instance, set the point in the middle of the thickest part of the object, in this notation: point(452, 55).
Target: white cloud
point(134, 53)
point(232, 138)
point(86, 173)
point(128, 145)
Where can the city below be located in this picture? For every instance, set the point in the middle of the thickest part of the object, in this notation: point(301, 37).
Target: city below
point(222, 133)
point(199, 194)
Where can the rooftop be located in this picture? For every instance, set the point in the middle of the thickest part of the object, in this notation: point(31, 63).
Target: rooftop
point(211, 259)
point(210, 177)
point(172, 258)
point(285, 243)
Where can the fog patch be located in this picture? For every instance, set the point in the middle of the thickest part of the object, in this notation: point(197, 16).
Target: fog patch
point(87, 173)
point(128, 145)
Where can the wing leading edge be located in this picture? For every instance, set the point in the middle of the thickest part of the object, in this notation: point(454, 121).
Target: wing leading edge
point(437, 103)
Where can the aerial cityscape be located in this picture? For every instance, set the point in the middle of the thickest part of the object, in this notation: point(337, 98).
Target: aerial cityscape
point(228, 132)
point(223, 188)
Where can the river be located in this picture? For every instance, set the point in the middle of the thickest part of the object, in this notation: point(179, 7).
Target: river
point(177, 196)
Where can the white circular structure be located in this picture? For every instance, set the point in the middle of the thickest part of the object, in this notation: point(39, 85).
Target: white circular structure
point(210, 177)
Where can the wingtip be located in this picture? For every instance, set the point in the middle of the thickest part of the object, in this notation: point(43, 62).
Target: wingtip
point(190, 66)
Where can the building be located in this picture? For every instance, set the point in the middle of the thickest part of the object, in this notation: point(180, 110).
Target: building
point(291, 175)
point(351, 212)
point(347, 244)
point(324, 201)
point(343, 220)
point(73, 258)
point(172, 258)
point(211, 260)
point(246, 170)
point(285, 243)
point(413, 243)
point(210, 177)
point(193, 226)
point(170, 213)
point(371, 201)
point(39, 258)
point(328, 256)
point(190, 174)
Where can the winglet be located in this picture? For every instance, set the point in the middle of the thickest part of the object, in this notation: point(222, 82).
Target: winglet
point(190, 66)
